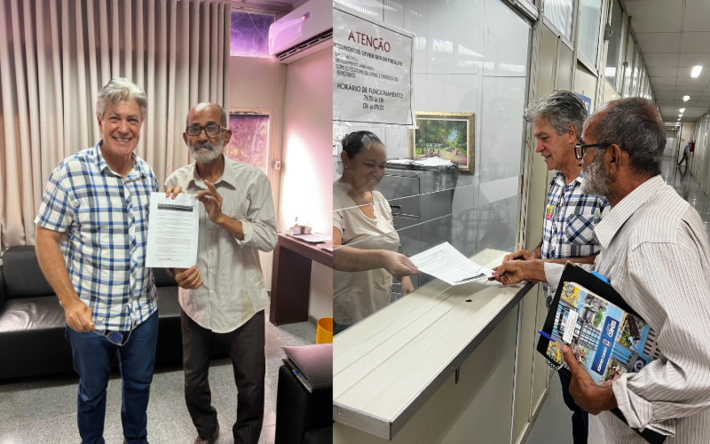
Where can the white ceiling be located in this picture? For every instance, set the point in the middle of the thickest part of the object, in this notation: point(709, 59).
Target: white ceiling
point(674, 36)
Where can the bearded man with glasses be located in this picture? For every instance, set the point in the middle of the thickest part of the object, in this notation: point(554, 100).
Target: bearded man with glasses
point(224, 294)
point(571, 213)
point(655, 253)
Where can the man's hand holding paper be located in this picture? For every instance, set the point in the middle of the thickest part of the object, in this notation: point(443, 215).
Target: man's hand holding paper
point(188, 279)
point(514, 271)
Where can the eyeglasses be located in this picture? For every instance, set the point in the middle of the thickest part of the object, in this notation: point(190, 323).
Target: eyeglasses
point(112, 336)
point(211, 130)
point(580, 149)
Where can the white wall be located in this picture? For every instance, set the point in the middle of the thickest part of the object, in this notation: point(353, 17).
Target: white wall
point(585, 84)
point(253, 82)
point(670, 144)
point(321, 297)
point(299, 98)
point(306, 190)
point(258, 84)
point(685, 135)
point(699, 163)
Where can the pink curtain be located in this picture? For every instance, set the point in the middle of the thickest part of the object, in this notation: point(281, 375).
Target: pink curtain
point(55, 55)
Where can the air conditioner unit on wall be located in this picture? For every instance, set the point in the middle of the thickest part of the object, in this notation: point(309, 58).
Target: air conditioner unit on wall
point(303, 31)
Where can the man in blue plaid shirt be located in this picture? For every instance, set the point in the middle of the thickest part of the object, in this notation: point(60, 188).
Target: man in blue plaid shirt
point(91, 236)
point(570, 215)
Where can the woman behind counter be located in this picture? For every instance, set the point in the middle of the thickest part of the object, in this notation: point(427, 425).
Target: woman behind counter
point(363, 218)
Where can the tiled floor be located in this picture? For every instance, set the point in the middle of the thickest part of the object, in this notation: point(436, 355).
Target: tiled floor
point(554, 423)
point(44, 411)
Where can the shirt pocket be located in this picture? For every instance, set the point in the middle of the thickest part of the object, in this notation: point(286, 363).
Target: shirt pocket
point(234, 208)
point(580, 228)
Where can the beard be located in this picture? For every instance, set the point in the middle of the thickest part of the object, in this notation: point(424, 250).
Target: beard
point(206, 152)
point(596, 178)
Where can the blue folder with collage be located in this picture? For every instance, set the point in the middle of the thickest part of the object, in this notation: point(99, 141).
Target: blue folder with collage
point(606, 340)
point(607, 337)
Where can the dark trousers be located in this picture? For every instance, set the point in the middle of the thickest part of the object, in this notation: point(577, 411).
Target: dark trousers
point(246, 348)
point(92, 361)
point(580, 418)
point(685, 156)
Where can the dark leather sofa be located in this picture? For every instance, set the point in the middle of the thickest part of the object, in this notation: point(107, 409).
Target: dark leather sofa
point(32, 322)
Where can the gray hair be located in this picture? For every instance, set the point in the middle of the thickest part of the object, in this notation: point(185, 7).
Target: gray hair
point(120, 89)
point(223, 119)
point(561, 108)
point(635, 124)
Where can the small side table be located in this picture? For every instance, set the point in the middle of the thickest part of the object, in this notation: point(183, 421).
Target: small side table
point(291, 277)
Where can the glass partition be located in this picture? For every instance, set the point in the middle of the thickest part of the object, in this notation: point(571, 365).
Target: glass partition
point(629, 64)
point(362, 284)
point(590, 13)
point(642, 83)
point(456, 178)
point(249, 34)
point(636, 76)
point(611, 72)
point(460, 75)
point(560, 13)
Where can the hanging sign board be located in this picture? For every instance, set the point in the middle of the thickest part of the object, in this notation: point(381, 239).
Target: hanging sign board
point(372, 71)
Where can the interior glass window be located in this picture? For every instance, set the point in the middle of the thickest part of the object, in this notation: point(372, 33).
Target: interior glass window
point(250, 34)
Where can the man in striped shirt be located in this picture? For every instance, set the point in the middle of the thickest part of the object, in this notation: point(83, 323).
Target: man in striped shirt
point(91, 237)
point(224, 294)
point(571, 214)
point(656, 255)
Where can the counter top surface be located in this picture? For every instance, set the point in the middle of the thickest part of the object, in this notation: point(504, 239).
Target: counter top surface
point(387, 365)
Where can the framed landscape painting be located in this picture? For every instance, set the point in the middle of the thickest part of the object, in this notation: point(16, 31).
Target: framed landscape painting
point(448, 136)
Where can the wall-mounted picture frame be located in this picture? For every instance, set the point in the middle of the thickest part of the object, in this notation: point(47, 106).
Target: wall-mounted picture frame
point(449, 136)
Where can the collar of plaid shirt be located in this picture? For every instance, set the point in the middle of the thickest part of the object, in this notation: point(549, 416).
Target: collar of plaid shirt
point(566, 202)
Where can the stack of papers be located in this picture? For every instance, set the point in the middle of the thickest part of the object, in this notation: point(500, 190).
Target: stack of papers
point(400, 161)
point(311, 238)
point(427, 162)
point(444, 262)
point(433, 161)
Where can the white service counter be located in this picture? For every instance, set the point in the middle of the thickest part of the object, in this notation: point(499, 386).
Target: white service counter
point(396, 371)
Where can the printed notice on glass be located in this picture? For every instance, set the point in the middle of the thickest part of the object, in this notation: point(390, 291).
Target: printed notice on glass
point(172, 231)
point(372, 71)
point(444, 262)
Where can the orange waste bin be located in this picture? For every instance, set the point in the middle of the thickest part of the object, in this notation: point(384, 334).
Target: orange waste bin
point(324, 332)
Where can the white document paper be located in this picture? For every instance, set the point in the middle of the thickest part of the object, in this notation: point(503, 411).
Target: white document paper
point(444, 262)
point(172, 231)
point(571, 324)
